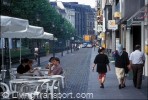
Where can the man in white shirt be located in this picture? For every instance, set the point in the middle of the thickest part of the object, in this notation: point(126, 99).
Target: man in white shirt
point(137, 60)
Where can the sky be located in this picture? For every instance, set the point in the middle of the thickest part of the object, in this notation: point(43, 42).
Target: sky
point(86, 2)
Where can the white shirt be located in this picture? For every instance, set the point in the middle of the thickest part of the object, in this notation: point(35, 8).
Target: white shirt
point(51, 66)
point(137, 57)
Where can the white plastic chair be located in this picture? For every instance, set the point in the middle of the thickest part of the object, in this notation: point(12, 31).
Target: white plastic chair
point(6, 92)
point(60, 78)
point(13, 73)
point(51, 86)
point(37, 86)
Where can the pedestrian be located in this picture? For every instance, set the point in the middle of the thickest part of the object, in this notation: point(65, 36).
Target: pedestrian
point(121, 65)
point(124, 49)
point(50, 64)
point(94, 46)
point(102, 61)
point(57, 70)
point(137, 61)
point(22, 68)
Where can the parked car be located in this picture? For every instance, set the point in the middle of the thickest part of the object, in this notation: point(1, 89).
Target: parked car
point(86, 45)
point(89, 45)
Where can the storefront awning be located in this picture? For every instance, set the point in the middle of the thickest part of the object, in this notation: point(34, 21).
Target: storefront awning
point(139, 16)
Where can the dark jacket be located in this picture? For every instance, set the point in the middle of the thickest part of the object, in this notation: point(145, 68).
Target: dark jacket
point(101, 60)
point(21, 69)
point(122, 61)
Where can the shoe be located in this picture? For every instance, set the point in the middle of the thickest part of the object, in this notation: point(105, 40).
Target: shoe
point(138, 87)
point(102, 85)
point(135, 85)
point(120, 86)
point(123, 86)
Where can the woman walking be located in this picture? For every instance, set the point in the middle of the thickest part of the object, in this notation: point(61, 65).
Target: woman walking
point(101, 60)
point(121, 63)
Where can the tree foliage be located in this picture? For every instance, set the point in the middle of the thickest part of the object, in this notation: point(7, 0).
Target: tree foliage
point(32, 10)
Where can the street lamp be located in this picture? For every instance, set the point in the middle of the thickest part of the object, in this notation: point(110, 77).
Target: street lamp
point(54, 39)
point(72, 38)
point(38, 44)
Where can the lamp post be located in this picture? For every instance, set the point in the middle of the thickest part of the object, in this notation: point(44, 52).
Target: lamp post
point(54, 39)
point(61, 42)
point(72, 38)
point(38, 44)
point(53, 48)
point(67, 42)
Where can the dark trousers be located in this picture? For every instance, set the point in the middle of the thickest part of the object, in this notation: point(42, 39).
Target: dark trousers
point(137, 74)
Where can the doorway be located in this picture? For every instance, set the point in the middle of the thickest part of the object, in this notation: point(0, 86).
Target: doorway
point(136, 33)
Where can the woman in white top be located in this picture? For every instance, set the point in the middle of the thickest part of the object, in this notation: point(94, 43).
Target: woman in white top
point(50, 65)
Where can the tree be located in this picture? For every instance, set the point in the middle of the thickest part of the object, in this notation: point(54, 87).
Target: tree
point(49, 18)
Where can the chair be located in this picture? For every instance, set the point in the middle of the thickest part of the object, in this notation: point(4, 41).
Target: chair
point(3, 74)
point(52, 85)
point(5, 90)
point(60, 78)
point(35, 88)
point(13, 73)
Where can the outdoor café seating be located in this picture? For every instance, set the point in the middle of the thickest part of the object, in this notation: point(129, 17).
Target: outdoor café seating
point(30, 86)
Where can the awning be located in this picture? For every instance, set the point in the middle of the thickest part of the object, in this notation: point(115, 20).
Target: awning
point(139, 16)
point(12, 24)
point(44, 36)
point(30, 32)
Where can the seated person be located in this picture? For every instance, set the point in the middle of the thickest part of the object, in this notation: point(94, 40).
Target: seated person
point(35, 71)
point(50, 64)
point(22, 68)
point(57, 69)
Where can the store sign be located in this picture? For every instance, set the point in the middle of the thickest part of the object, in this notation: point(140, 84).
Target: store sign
point(87, 37)
point(141, 16)
point(112, 25)
point(117, 15)
point(99, 28)
point(102, 35)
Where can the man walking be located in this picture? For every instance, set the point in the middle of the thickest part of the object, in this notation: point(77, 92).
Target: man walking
point(137, 60)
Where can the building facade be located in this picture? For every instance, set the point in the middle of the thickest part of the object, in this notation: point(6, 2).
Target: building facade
point(132, 25)
point(82, 17)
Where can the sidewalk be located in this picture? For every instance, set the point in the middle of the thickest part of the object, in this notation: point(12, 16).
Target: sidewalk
point(111, 90)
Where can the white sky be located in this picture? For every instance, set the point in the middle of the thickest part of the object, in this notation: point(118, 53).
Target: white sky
point(86, 2)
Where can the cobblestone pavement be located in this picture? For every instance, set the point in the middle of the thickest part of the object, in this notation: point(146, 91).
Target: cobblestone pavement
point(76, 66)
point(80, 78)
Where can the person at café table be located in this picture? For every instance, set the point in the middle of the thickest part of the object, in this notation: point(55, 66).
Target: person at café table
point(50, 64)
point(35, 71)
point(57, 70)
point(22, 68)
point(26, 66)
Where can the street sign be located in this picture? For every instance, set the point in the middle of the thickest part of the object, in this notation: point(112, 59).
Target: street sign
point(112, 25)
point(100, 28)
